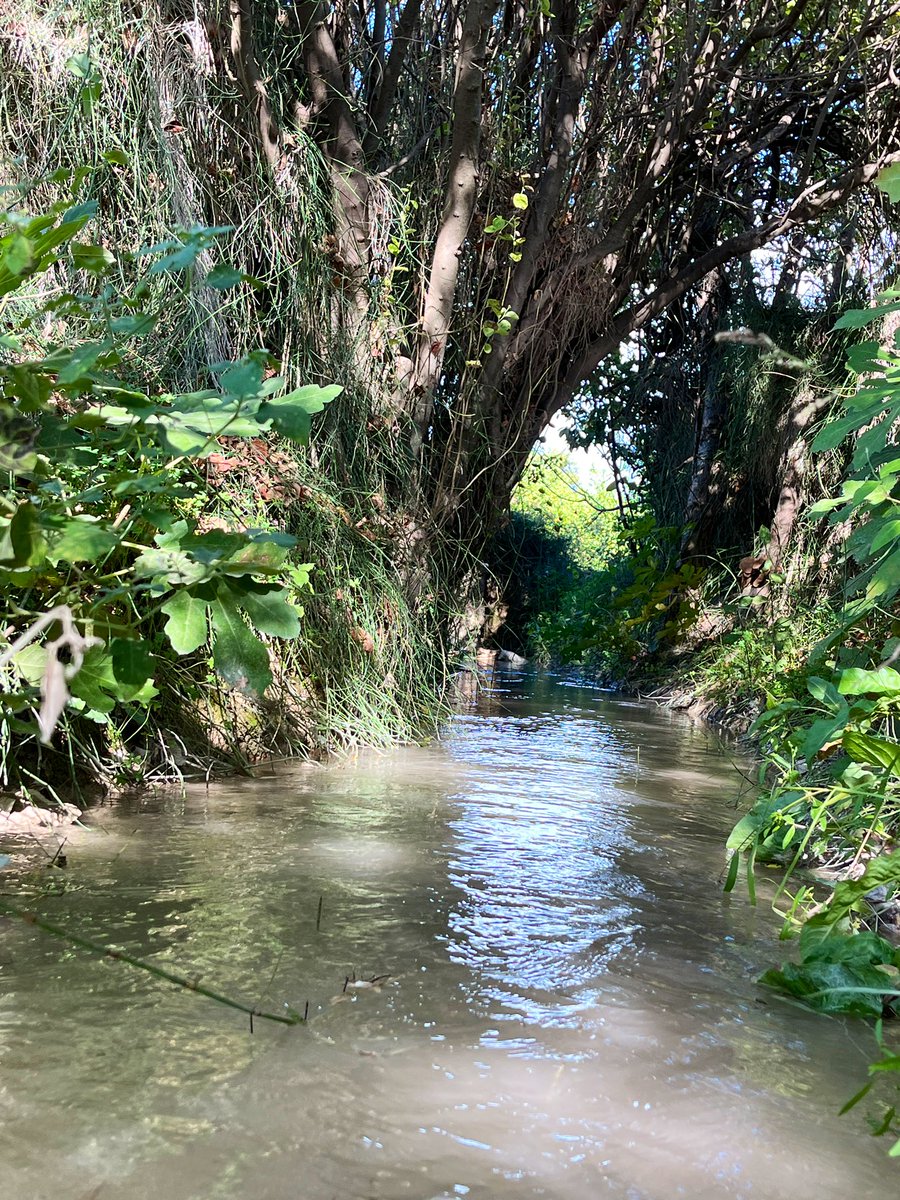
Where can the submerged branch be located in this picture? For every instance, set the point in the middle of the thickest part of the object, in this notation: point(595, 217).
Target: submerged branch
point(290, 1017)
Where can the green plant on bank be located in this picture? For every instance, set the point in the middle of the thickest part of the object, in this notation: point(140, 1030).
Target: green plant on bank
point(106, 572)
point(559, 554)
point(645, 600)
point(831, 774)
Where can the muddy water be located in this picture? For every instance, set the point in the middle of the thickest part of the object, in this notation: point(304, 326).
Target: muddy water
point(571, 1012)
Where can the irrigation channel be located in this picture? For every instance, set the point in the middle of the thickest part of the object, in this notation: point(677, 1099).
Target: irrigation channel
point(571, 1009)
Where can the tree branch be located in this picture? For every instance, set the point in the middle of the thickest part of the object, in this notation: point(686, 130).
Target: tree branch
point(459, 204)
point(382, 98)
point(342, 143)
point(244, 54)
point(813, 203)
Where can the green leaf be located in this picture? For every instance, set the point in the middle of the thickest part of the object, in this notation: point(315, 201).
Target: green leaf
point(81, 539)
point(223, 277)
point(854, 1100)
point(822, 732)
point(95, 259)
point(80, 362)
point(825, 691)
point(263, 557)
point(133, 325)
point(835, 432)
point(731, 878)
point(239, 657)
point(17, 253)
point(132, 661)
point(174, 567)
point(186, 626)
point(520, 200)
point(80, 66)
point(23, 544)
point(858, 318)
point(873, 751)
point(887, 532)
point(95, 682)
point(882, 871)
point(269, 609)
point(889, 182)
point(837, 988)
point(884, 681)
point(748, 829)
point(244, 377)
point(291, 414)
point(865, 357)
point(823, 942)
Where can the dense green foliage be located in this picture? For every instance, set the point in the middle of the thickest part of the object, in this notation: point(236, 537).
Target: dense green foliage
point(554, 559)
point(143, 589)
point(111, 570)
point(804, 636)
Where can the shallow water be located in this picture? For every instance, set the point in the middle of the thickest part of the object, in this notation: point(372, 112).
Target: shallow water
point(571, 1012)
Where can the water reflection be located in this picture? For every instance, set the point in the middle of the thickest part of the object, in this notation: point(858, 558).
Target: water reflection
point(571, 1012)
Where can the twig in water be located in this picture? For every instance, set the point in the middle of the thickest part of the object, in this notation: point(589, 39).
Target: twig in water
point(319, 914)
point(191, 985)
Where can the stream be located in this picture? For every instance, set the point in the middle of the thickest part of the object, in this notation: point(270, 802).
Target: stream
point(571, 1011)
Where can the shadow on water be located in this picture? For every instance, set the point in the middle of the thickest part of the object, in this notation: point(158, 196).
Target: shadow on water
point(571, 1011)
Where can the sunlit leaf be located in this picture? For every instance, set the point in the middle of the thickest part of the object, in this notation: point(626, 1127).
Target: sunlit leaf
point(291, 414)
point(239, 657)
point(186, 626)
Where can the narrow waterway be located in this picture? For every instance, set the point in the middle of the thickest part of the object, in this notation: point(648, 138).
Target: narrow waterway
point(571, 1010)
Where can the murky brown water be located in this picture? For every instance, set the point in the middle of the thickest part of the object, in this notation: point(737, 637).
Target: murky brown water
point(572, 1012)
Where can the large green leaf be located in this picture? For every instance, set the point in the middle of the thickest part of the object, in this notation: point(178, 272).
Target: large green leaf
point(23, 543)
point(269, 609)
point(884, 681)
point(244, 377)
point(883, 871)
point(81, 539)
point(80, 362)
point(95, 682)
point(834, 432)
point(858, 318)
point(186, 626)
point(174, 567)
point(132, 661)
point(889, 182)
point(821, 732)
point(873, 751)
point(291, 415)
point(16, 253)
point(95, 259)
point(823, 941)
point(837, 988)
point(239, 657)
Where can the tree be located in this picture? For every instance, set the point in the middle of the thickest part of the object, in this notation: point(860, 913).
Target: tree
point(516, 187)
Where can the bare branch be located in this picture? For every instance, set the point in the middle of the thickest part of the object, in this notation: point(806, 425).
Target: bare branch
point(459, 203)
point(815, 202)
point(244, 53)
